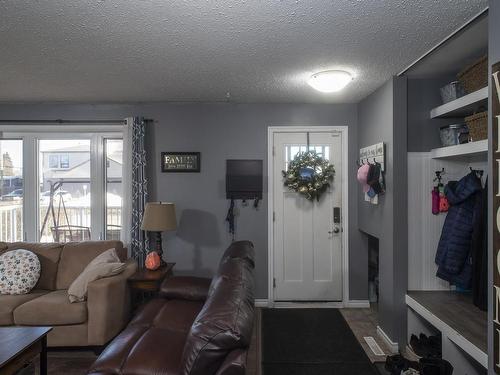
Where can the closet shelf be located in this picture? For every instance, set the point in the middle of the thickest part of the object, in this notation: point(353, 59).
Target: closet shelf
point(467, 149)
point(456, 317)
point(464, 106)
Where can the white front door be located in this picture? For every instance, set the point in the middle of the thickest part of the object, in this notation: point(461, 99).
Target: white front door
point(307, 251)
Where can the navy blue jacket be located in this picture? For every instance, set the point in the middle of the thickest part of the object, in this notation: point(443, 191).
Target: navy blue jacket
point(453, 255)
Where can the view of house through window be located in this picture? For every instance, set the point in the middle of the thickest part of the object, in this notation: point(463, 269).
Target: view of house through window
point(11, 190)
point(72, 193)
point(64, 178)
point(114, 160)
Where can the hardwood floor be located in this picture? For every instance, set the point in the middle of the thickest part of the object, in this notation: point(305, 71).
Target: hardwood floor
point(363, 323)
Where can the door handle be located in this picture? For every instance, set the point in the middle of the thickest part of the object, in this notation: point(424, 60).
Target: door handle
point(334, 231)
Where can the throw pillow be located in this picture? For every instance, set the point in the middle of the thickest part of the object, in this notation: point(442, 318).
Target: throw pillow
point(19, 271)
point(104, 265)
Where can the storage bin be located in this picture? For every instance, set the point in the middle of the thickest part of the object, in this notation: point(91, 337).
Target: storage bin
point(452, 91)
point(451, 134)
point(475, 76)
point(478, 126)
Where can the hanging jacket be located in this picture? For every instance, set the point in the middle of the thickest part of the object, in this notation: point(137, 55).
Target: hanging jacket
point(453, 255)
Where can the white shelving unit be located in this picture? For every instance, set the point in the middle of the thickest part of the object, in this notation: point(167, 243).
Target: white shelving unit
point(461, 151)
point(462, 107)
point(449, 332)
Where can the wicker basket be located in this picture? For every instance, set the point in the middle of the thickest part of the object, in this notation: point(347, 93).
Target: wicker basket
point(478, 126)
point(475, 76)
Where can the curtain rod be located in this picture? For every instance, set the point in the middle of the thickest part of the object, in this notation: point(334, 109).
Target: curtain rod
point(60, 121)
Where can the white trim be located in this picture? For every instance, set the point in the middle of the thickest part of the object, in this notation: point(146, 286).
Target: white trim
point(449, 332)
point(127, 184)
point(352, 304)
point(307, 305)
point(345, 206)
point(393, 346)
point(261, 302)
point(357, 304)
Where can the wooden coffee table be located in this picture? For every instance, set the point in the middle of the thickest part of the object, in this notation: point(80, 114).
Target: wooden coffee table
point(20, 346)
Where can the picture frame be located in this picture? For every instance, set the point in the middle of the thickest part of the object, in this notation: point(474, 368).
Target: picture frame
point(180, 162)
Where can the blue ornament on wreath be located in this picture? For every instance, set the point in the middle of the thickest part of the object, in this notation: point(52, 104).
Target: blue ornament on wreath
point(306, 174)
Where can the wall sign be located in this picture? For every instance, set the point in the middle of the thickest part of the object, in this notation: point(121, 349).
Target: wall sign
point(372, 154)
point(180, 161)
point(495, 101)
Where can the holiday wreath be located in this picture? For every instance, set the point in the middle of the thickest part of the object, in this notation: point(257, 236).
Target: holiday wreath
point(308, 174)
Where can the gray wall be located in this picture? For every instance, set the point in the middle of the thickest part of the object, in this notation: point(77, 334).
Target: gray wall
point(219, 131)
point(423, 132)
point(383, 118)
point(494, 57)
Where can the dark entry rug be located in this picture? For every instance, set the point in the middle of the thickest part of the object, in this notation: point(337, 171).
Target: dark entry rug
point(310, 342)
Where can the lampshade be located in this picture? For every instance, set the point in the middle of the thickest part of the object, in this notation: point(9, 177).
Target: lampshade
point(159, 217)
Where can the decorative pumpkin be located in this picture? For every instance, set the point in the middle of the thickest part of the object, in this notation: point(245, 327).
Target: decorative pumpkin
point(153, 261)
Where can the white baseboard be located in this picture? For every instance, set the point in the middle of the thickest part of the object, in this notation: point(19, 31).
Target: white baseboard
point(358, 304)
point(354, 304)
point(307, 305)
point(261, 302)
point(393, 346)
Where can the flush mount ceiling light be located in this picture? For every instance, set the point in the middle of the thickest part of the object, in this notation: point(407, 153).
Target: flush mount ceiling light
point(330, 80)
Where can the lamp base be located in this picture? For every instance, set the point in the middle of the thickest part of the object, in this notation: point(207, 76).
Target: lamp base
point(158, 248)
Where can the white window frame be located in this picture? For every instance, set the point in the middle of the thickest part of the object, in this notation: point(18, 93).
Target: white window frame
point(30, 135)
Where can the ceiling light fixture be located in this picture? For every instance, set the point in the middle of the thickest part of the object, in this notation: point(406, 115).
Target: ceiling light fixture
point(330, 80)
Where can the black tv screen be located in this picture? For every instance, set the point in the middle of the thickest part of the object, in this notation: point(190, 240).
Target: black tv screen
point(243, 179)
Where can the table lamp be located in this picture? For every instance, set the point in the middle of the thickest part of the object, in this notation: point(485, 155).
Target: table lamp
point(159, 217)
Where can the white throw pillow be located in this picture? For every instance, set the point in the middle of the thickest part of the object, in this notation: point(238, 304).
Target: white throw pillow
point(104, 265)
point(19, 271)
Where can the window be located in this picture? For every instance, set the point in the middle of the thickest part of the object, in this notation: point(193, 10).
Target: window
point(53, 161)
point(114, 191)
point(64, 161)
point(292, 150)
point(64, 207)
point(11, 194)
point(72, 192)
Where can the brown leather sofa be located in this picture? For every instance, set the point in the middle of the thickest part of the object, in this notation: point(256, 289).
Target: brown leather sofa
point(195, 326)
point(91, 323)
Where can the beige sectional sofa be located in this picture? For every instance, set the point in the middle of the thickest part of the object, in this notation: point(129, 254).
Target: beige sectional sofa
point(91, 323)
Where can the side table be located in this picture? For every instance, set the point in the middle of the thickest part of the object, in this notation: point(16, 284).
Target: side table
point(145, 284)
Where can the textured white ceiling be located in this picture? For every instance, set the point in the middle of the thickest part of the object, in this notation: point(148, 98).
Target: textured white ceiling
point(259, 51)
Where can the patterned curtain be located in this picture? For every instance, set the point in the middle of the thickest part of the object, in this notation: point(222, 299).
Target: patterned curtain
point(139, 190)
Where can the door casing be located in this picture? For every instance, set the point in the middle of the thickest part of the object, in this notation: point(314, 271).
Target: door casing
point(271, 130)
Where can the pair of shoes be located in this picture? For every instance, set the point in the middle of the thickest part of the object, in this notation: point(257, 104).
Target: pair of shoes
point(410, 371)
point(426, 347)
point(396, 364)
point(435, 366)
point(399, 365)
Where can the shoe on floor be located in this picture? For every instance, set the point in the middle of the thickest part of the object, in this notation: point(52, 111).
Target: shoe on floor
point(435, 366)
point(396, 364)
point(426, 347)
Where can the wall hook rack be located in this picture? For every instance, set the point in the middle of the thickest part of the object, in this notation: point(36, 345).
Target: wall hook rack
point(374, 152)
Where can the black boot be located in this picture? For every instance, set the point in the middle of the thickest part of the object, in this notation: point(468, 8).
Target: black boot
point(435, 366)
point(397, 363)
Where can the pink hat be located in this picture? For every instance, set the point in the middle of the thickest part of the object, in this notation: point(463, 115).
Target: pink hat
point(363, 177)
